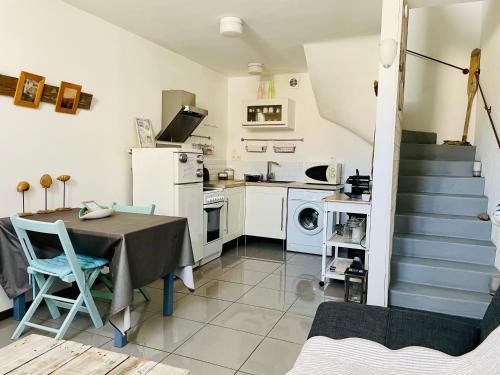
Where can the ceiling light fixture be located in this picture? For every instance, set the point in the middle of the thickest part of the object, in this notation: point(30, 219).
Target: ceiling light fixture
point(255, 68)
point(231, 26)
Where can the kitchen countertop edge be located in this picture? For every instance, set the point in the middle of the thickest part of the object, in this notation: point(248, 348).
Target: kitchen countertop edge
point(226, 184)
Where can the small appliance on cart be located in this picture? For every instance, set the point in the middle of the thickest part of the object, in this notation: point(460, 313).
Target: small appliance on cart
point(359, 184)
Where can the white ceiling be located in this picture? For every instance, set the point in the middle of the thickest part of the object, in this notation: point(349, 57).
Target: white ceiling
point(274, 30)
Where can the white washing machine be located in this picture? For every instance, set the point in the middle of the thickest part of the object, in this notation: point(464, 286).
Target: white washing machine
point(304, 232)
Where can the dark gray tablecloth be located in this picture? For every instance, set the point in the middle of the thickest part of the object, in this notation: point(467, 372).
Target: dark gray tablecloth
point(141, 249)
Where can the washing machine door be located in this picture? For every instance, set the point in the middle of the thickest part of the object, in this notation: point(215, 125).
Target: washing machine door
point(308, 218)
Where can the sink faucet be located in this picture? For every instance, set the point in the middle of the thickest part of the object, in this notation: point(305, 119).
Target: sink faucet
point(270, 173)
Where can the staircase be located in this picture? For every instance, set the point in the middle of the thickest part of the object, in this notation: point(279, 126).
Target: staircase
point(443, 257)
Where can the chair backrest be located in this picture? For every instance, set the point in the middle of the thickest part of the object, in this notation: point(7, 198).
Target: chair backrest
point(22, 226)
point(146, 210)
point(491, 319)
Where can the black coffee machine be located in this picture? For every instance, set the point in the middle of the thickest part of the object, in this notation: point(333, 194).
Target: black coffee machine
point(358, 184)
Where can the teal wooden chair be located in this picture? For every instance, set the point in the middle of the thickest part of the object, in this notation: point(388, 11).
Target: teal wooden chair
point(145, 210)
point(69, 267)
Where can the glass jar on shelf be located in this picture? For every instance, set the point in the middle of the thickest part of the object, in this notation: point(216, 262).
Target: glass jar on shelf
point(259, 115)
point(251, 114)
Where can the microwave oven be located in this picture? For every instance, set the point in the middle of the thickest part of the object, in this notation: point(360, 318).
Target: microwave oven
point(322, 173)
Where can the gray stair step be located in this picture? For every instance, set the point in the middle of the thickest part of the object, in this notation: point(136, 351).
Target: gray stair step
point(441, 300)
point(442, 273)
point(435, 168)
point(442, 184)
point(415, 151)
point(443, 225)
point(444, 248)
point(451, 204)
point(410, 136)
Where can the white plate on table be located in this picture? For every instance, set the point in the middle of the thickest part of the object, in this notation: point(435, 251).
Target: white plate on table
point(85, 214)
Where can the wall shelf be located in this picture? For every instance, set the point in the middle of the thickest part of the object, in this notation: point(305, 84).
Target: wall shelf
point(268, 114)
point(8, 87)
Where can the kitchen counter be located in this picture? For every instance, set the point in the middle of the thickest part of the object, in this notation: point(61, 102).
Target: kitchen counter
point(224, 183)
point(291, 185)
point(339, 197)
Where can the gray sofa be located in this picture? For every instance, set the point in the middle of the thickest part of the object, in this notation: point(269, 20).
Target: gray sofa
point(397, 328)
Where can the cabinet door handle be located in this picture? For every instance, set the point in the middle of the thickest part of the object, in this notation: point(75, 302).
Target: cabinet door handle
point(227, 215)
point(282, 208)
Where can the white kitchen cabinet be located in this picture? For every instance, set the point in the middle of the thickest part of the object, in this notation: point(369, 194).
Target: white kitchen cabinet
point(268, 114)
point(266, 211)
point(233, 213)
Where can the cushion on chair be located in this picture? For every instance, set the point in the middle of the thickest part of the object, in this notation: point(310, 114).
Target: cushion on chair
point(60, 265)
point(491, 319)
point(450, 336)
point(339, 320)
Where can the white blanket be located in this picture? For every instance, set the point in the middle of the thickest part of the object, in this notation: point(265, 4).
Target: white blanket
point(354, 356)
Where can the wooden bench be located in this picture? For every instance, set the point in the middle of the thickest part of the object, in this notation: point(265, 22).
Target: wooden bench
point(41, 355)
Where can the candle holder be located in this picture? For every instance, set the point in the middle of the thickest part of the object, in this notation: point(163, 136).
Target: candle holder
point(23, 187)
point(46, 182)
point(64, 178)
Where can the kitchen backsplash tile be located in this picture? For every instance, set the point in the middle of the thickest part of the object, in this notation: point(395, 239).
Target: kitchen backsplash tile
point(286, 171)
point(289, 171)
point(214, 166)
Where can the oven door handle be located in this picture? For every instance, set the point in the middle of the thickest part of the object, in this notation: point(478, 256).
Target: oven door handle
point(213, 205)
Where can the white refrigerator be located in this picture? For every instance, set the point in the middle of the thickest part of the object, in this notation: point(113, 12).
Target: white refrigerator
point(172, 179)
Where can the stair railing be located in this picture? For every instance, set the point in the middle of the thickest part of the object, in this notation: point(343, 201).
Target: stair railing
point(487, 108)
point(464, 71)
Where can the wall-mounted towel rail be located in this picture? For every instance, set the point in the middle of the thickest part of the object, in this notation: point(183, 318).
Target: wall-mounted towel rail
point(273, 139)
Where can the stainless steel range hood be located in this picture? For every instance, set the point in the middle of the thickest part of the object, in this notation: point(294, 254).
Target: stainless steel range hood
point(179, 117)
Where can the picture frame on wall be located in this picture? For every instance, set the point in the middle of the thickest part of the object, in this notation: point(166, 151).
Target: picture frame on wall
point(68, 98)
point(29, 90)
point(145, 132)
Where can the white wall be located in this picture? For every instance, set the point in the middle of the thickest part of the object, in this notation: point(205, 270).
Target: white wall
point(436, 95)
point(126, 75)
point(324, 141)
point(385, 161)
point(487, 148)
point(342, 72)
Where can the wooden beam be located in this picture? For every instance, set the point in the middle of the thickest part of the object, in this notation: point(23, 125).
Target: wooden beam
point(475, 60)
point(8, 88)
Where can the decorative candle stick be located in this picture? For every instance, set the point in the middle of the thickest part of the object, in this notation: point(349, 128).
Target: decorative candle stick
point(22, 187)
point(63, 178)
point(46, 182)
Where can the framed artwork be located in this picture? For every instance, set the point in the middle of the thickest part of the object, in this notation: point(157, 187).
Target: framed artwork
point(145, 132)
point(29, 90)
point(68, 98)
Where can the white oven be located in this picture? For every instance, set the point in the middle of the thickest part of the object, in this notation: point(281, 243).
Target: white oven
point(213, 202)
point(322, 173)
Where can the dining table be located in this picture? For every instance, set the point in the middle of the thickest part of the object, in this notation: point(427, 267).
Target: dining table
point(140, 248)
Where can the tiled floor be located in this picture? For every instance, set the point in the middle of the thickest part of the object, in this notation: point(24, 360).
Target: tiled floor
point(246, 316)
